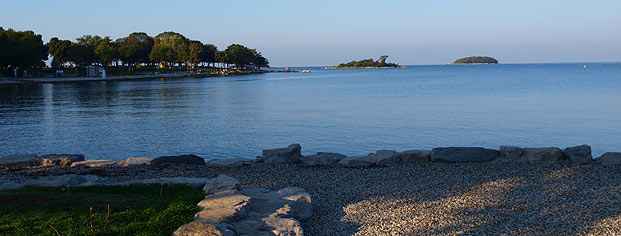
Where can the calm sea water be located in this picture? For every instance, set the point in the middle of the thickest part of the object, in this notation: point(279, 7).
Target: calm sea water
point(346, 111)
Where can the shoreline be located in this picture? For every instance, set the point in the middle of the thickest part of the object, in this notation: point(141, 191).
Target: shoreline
point(368, 67)
point(171, 75)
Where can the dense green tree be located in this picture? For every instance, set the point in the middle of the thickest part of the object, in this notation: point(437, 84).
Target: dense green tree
point(169, 47)
point(106, 51)
point(195, 49)
point(208, 55)
point(381, 62)
point(59, 49)
point(238, 55)
point(23, 49)
point(135, 48)
point(220, 57)
point(258, 60)
point(476, 60)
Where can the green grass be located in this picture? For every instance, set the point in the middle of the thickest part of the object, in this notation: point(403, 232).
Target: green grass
point(134, 210)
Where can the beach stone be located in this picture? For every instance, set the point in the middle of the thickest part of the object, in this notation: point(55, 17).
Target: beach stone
point(543, 154)
point(64, 180)
point(95, 163)
point(189, 159)
point(290, 154)
point(196, 228)
point(223, 184)
point(298, 200)
point(229, 162)
point(462, 154)
point(135, 161)
point(19, 161)
point(223, 208)
point(511, 153)
point(321, 159)
point(579, 154)
point(283, 226)
point(385, 157)
point(609, 159)
point(415, 156)
point(10, 185)
point(357, 161)
point(60, 160)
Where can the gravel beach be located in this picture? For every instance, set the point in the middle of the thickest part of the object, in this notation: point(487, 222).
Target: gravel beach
point(424, 199)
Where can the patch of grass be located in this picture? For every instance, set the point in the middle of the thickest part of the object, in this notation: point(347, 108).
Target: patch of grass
point(134, 210)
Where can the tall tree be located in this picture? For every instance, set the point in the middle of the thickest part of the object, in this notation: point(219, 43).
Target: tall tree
point(59, 49)
point(135, 48)
point(22, 49)
point(195, 49)
point(239, 55)
point(169, 47)
point(106, 51)
point(208, 55)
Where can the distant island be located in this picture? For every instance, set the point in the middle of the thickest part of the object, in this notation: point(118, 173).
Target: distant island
point(475, 60)
point(367, 64)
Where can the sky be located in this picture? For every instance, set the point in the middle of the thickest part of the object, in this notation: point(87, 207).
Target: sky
point(320, 33)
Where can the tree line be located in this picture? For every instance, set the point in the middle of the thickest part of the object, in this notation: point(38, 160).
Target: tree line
point(381, 62)
point(25, 49)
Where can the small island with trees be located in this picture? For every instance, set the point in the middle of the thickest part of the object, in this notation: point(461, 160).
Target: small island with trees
point(367, 64)
point(475, 61)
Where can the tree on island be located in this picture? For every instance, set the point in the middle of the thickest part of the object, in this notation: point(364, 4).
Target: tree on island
point(381, 62)
point(476, 60)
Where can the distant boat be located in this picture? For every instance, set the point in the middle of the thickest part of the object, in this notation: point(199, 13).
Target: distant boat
point(584, 66)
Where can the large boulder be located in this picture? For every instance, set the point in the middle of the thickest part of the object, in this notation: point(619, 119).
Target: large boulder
point(415, 156)
point(609, 159)
point(135, 161)
point(462, 154)
point(19, 161)
point(229, 162)
point(95, 163)
point(543, 154)
point(223, 184)
point(290, 154)
point(60, 160)
point(511, 153)
point(385, 157)
point(223, 208)
point(321, 159)
point(357, 161)
point(579, 154)
point(190, 159)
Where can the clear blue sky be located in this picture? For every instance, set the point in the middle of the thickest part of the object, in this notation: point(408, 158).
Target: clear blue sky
point(291, 33)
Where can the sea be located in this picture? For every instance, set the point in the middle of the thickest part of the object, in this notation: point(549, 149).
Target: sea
point(349, 111)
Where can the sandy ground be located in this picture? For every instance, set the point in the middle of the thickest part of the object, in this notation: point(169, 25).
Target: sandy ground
point(427, 199)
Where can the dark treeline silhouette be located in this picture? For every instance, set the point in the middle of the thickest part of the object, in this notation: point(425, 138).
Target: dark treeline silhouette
point(25, 50)
point(476, 60)
point(381, 62)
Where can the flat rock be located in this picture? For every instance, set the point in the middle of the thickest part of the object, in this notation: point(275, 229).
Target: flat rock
point(357, 161)
point(284, 226)
point(298, 200)
point(511, 153)
point(579, 154)
point(95, 163)
point(19, 161)
point(135, 161)
point(385, 157)
point(64, 180)
point(60, 160)
point(222, 184)
point(230, 162)
point(462, 154)
point(190, 159)
point(321, 159)
point(10, 185)
point(609, 159)
point(198, 229)
point(223, 208)
point(290, 154)
point(415, 156)
point(543, 154)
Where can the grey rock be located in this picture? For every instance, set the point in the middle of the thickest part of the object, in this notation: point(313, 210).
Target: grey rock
point(284, 226)
point(298, 200)
point(19, 161)
point(543, 154)
point(609, 159)
point(198, 229)
point(189, 159)
point(579, 154)
point(64, 180)
point(462, 154)
point(415, 156)
point(135, 161)
point(290, 154)
point(223, 208)
point(192, 182)
point(229, 162)
point(10, 185)
point(95, 163)
point(223, 184)
point(385, 157)
point(321, 159)
point(511, 153)
point(60, 160)
point(357, 161)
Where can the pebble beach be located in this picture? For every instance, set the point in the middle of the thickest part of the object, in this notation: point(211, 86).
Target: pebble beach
point(508, 198)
